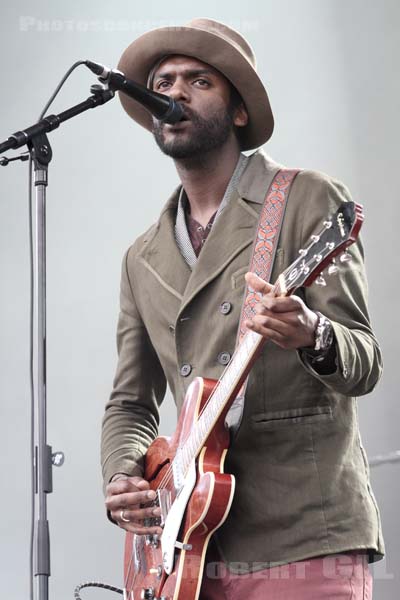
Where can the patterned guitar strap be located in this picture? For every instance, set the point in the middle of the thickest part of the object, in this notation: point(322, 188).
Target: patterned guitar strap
point(262, 260)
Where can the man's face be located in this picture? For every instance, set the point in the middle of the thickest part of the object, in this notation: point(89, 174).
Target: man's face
point(204, 94)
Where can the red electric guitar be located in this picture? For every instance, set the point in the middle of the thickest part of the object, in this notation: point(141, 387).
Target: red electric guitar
point(186, 470)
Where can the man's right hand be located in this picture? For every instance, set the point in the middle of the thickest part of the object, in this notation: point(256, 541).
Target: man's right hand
point(125, 497)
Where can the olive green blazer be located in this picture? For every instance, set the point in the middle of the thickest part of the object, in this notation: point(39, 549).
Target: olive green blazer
point(302, 481)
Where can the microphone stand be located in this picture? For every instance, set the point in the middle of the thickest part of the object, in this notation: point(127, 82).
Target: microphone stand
point(39, 147)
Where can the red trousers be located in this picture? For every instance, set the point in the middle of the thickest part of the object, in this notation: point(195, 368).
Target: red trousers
point(336, 577)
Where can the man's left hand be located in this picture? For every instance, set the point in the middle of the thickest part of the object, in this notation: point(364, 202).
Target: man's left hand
point(287, 321)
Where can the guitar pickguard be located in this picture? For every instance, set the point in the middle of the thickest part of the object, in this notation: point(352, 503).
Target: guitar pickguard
point(173, 521)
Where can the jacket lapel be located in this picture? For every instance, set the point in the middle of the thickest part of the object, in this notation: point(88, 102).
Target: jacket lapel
point(161, 255)
point(235, 228)
point(231, 234)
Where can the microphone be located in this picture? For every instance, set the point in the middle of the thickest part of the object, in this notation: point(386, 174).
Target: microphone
point(165, 109)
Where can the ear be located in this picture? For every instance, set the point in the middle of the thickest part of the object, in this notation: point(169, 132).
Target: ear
point(241, 117)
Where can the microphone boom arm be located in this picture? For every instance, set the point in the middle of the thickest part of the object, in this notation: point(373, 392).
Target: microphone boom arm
point(20, 138)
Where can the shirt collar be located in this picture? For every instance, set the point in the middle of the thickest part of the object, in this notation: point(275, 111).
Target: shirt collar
point(181, 232)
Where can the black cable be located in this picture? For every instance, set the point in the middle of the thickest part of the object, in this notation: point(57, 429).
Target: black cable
point(58, 88)
point(105, 586)
point(31, 251)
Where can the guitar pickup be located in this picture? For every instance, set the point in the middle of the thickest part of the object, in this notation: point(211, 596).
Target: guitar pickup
point(164, 502)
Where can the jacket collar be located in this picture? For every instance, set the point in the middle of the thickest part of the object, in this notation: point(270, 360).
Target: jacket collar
point(230, 235)
point(257, 177)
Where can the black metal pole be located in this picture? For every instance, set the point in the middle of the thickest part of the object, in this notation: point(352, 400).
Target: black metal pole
point(36, 139)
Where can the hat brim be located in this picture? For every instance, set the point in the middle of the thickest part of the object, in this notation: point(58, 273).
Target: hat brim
point(140, 56)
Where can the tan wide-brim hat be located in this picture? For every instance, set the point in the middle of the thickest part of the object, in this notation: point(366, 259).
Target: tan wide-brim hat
point(215, 44)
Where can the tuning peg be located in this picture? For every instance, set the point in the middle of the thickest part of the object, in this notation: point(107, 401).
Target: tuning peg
point(320, 280)
point(333, 268)
point(305, 269)
point(345, 257)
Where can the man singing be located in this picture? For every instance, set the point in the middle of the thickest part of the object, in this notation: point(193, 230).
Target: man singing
point(304, 522)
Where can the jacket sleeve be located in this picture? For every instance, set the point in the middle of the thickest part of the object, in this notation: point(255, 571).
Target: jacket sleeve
point(344, 301)
point(131, 418)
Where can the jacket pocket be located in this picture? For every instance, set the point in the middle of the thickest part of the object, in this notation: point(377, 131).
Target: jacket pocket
point(237, 278)
point(294, 416)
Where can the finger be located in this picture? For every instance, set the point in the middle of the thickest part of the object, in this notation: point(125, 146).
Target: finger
point(135, 514)
point(282, 304)
point(127, 484)
point(290, 317)
point(140, 529)
point(126, 500)
point(258, 284)
point(140, 483)
point(269, 323)
point(277, 337)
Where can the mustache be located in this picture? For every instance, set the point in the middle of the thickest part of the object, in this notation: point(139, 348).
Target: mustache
point(189, 114)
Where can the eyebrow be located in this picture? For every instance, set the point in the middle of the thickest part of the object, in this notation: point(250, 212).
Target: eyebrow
point(187, 73)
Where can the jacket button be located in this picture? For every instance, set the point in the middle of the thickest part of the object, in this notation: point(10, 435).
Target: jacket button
point(224, 358)
point(186, 370)
point(171, 328)
point(225, 308)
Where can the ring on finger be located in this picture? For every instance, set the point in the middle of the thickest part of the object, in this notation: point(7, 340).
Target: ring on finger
point(122, 517)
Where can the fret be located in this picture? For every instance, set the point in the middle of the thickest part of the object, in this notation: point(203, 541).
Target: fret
point(201, 430)
point(185, 457)
point(194, 440)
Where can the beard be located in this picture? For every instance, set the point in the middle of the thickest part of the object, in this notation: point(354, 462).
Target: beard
point(206, 135)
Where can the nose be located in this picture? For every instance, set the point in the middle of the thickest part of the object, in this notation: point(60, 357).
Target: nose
point(179, 91)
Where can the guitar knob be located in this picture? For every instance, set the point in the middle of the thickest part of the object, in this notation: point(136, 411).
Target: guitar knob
point(147, 594)
point(320, 280)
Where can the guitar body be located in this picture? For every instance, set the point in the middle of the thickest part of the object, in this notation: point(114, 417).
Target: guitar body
point(209, 492)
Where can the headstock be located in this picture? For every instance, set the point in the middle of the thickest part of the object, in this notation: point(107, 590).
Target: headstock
point(338, 232)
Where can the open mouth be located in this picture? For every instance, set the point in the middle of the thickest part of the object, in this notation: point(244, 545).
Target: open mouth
point(178, 124)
